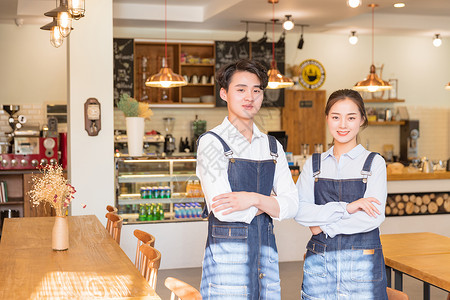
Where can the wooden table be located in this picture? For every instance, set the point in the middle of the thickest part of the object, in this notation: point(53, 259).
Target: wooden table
point(424, 256)
point(94, 266)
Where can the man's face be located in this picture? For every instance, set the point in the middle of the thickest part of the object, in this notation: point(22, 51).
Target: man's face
point(244, 96)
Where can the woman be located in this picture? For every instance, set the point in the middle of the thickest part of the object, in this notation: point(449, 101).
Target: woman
point(342, 195)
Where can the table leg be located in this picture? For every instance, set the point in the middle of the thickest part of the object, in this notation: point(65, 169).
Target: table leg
point(388, 276)
point(398, 280)
point(426, 291)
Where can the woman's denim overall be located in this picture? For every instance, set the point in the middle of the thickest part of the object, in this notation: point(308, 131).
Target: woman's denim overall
point(346, 266)
point(241, 260)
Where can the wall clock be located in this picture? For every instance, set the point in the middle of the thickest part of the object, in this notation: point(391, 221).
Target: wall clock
point(312, 74)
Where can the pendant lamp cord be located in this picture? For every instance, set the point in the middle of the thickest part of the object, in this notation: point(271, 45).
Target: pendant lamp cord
point(273, 32)
point(165, 29)
point(373, 34)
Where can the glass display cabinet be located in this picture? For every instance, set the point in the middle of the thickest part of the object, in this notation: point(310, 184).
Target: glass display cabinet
point(151, 190)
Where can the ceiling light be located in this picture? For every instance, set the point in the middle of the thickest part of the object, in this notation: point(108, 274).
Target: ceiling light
point(288, 23)
point(353, 38)
point(280, 42)
point(245, 38)
point(63, 17)
point(354, 3)
point(437, 40)
point(76, 8)
point(447, 87)
point(399, 5)
point(264, 37)
point(166, 78)
point(372, 83)
point(56, 38)
point(276, 79)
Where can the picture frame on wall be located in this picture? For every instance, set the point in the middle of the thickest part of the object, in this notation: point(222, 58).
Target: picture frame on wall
point(393, 93)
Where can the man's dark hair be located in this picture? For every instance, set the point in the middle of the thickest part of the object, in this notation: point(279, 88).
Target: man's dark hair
point(223, 76)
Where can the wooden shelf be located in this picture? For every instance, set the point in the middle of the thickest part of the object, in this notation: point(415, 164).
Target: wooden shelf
point(12, 203)
point(384, 100)
point(197, 65)
point(419, 176)
point(199, 84)
point(386, 123)
point(182, 105)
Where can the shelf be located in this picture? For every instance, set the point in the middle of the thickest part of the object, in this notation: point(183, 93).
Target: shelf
point(386, 123)
point(123, 200)
point(12, 203)
point(155, 178)
point(384, 100)
point(184, 105)
point(197, 65)
point(198, 84)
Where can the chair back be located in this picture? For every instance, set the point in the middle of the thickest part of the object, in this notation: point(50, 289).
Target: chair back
point(181, 290)
point(110, 209)
point(115, 227)
point(142, 238)
point(396, 295)
point(150, 263)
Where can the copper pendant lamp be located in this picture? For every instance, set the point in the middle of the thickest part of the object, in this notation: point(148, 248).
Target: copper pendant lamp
point(276, 79)
point(372, 83)
point(166, 78)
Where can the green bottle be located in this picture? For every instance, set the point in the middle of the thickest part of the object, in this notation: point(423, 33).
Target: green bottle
point(149, 212)
point(142, 213)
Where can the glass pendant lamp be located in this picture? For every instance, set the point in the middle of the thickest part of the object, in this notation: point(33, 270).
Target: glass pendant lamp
point(76, 8)
point(372, 83)
point(63, 17)
point(276, 79)
point(166, 78)
point(56, 39)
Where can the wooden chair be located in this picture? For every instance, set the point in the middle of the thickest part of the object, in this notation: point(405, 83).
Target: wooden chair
point(396, 295)
point(181, 290)
point(149, 264)
point(110, 209)
point(142, 238)
point(115, 227)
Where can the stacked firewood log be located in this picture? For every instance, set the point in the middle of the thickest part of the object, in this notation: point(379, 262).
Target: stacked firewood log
point(417, 204)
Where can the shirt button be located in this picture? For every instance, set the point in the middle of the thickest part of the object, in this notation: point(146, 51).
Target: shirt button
point(261, 275)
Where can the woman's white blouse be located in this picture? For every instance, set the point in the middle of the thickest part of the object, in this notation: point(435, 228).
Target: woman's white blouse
point(212, 169)
point(333, 217)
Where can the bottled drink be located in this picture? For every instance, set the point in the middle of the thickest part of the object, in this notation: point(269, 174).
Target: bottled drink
point(161, 214)
point(143, 192)
point(142, 213)
point(189, 189)
point(156, 215)
point(149, 212)
point(177, 211)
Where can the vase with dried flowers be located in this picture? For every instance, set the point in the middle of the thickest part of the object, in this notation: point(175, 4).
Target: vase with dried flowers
point(51, 187)
point(135, 112)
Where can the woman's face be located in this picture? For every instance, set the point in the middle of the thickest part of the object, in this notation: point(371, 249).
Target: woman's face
point(344, 121)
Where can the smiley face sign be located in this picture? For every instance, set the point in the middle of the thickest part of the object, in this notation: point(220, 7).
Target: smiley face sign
point(312, 74)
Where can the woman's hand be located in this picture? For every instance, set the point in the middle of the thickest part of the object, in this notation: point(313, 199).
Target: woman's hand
point(234, 201)
point(364, 204)
point(315, 230)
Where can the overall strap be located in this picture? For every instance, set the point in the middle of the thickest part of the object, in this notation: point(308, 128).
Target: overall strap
point(316, 157)
point(273, 146)
point(226, 148)
point(368, 164)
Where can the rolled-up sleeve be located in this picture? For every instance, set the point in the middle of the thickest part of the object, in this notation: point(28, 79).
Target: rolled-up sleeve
point(361, 221)
point(284, 187)
point(212, 171)
point(309, 213)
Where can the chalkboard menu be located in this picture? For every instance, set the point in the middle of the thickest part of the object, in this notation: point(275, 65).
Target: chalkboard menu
point(123, 68)
point(227, 52)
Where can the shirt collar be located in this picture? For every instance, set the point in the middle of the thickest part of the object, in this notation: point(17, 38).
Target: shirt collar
point(354, 153)
point(233, 132)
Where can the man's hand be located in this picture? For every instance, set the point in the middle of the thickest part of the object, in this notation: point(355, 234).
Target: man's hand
point(315, 230)
point(364, 204)
point(234, 201)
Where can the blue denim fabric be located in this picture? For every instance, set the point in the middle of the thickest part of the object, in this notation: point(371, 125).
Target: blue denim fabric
point(346, 266)
point(241, 260)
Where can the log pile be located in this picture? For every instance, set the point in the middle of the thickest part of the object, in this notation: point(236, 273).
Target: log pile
point(417, 204)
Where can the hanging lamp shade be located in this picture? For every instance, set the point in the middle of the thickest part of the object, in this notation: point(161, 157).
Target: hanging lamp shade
point(447, 87)
point(276, 79)
point(166, 78)
point(372, 83)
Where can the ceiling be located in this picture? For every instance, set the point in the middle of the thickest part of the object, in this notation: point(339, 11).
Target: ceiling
point(419, 17)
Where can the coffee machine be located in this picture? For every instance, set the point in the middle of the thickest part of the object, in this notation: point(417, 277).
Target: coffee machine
point(409, 141)
point(169, 140)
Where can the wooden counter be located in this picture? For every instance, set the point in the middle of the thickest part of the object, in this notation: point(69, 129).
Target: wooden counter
point(419, 176)
point(94, 266)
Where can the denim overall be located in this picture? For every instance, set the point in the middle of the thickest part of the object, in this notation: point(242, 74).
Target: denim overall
point(241, 260)
point(346, 266)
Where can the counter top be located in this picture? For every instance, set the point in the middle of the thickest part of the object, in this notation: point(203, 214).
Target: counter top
point(418, 176)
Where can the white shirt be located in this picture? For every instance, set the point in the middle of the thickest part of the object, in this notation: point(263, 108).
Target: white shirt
point(333, 217)
point(212, 166)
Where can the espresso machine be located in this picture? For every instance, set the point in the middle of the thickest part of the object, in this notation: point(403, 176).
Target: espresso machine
point(169, 140)
point(409, 141)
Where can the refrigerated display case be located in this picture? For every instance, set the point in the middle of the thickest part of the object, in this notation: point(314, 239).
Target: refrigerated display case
point(154, 190)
